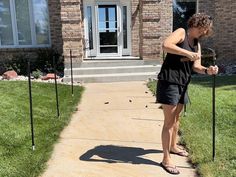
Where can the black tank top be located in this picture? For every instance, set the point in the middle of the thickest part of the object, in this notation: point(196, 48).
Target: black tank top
point(175, 71)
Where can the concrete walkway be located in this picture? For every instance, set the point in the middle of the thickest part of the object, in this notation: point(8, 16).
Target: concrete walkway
point(115, 133)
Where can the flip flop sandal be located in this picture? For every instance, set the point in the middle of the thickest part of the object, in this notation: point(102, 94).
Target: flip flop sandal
point(170, 169)
point(180, 147)
point(181, 153)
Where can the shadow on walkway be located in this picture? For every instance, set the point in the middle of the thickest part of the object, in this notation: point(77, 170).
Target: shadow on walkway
point(119, 154)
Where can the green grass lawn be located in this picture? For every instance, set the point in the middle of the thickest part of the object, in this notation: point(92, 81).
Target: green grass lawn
point(16, 156)
point(196, 127)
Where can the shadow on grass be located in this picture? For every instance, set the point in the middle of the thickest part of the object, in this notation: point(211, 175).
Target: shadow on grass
point(119, 154)
point(220, 81)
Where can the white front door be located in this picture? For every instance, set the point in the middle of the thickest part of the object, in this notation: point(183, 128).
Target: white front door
point(108, 32)
point(107, 29)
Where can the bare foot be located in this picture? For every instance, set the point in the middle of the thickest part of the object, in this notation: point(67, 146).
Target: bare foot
point(170, 168)
point(179, 151)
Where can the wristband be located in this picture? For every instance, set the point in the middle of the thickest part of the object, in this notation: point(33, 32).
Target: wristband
point(205, 71)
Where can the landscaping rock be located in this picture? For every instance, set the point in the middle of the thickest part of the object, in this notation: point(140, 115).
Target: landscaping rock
point(49, 76)
point(9, 75)
point(59, 80)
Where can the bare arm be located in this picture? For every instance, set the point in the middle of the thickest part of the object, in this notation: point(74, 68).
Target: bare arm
point(170, 45)
point(197, 66)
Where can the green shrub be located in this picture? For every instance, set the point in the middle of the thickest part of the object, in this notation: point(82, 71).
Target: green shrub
point(18, 64)
point(43, 63)
point(44, 60)
point(37, 74)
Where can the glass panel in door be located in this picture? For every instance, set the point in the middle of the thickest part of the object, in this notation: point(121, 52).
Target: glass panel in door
point(108, 30)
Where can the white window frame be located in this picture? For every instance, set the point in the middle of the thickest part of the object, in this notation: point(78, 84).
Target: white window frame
point(33, 31)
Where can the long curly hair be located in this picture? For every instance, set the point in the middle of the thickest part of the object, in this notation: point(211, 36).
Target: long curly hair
point(200, 20)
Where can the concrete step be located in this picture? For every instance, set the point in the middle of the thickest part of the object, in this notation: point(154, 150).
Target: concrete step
point(112, 70)
point(117, 77)
point(111, 58)
point(110, 63)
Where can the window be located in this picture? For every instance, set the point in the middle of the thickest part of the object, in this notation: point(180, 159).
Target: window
point(41, 21)
point(182, 10)
point(6, 33)
point(24, 23)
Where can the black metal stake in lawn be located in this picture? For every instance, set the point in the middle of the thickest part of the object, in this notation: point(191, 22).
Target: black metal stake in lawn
point(55, 78)
point(213, 106)
point(71, 73)
point(185, 109)
point(31, 110)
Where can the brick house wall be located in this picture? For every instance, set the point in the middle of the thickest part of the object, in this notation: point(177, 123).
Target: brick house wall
point(151, 23)
point(72, 29)
point(156, 26)
point(54, 7)
point(135, 24)
point(224, 38)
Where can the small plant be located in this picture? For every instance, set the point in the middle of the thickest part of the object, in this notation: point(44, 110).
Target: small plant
point(37, 74)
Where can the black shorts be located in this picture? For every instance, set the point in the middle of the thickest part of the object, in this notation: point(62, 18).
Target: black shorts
point(171, 94)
